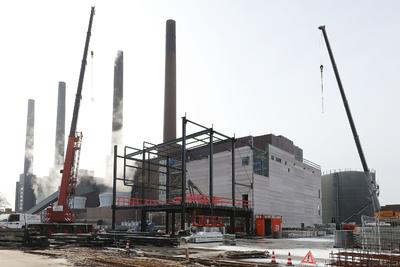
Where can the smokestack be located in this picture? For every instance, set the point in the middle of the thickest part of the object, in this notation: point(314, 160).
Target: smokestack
point(60, 126)
point(28, 199)
point(29, 137)
point(170, 83)
point(117, 119)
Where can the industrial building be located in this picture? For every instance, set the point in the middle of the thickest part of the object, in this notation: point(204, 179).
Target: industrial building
point(207, 173)
point(272, 174)
point(347, 195)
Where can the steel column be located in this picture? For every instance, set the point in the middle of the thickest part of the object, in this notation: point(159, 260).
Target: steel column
point(183, 184)
point(114, 187)
point(167, 197)
point(211, 193)
point(173, 224)
point(233, 221)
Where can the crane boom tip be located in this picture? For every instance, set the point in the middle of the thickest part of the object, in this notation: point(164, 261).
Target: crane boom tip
point(322, 27)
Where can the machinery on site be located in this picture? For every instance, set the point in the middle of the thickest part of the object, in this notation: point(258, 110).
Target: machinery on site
point(373, 188)
point(61, 213)
point(59, 217)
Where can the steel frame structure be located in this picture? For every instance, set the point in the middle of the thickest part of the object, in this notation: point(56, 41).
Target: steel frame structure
point(169, 159)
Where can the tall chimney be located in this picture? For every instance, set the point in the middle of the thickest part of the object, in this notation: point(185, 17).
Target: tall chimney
point(170, 83)
point(29, 137)
point(25, 183)
point(60, 126)
point(117, 118)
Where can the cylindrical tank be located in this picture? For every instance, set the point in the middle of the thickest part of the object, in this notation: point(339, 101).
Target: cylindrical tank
point(346, 195)
point(77, 202)
point(106, 198)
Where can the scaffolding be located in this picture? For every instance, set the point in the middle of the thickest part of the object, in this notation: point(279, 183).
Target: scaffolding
point(379, 235)
point(363, 258)
point(378, 242)
point(157, 176)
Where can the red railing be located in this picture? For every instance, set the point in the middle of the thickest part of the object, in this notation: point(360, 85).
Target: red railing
point(190, 198)
point(207, 221)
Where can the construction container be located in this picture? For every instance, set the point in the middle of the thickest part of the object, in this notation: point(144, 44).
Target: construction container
point(267, 225)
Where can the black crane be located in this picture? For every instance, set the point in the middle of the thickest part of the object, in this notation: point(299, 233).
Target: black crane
point(351, 121)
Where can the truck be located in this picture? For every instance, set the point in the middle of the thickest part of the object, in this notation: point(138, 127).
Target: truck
point(34, 222)
point(18, 220)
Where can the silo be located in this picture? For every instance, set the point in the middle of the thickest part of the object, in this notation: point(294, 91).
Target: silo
point(346, 195)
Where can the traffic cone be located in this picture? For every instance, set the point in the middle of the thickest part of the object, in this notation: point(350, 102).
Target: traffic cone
point(289, 261)
point(273, 259)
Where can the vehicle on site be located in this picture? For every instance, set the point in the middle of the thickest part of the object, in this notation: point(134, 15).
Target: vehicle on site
point(59, 218)
point(34, 222)
point(18, 220)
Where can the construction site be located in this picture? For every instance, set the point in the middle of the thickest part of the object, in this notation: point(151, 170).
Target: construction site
point(201, 197)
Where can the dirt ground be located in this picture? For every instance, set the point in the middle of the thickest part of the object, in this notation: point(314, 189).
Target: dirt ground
point(203, 254)
point(17, 258)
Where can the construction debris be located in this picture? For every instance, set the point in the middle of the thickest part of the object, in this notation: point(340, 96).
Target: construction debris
point(245, 254)
point(22, 237)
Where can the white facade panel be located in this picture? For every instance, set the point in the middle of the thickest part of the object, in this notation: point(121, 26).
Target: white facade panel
point(292, 190)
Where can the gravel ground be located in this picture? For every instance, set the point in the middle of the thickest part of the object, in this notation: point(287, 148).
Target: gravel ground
point(17, 258)
point(142, 255)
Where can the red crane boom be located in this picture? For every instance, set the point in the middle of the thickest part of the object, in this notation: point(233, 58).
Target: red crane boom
point(61, 212)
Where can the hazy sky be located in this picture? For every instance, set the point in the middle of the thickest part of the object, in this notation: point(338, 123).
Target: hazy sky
point(248, 67)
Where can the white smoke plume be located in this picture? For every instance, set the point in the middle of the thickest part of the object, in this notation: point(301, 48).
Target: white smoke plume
point(3, 201)
point(47, 185)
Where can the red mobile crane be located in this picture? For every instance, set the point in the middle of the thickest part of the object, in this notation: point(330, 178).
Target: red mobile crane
point(61, 213)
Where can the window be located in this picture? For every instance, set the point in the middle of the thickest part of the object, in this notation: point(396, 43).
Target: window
point(278, 160)
point(319, 193)
point(13, 218)
point(245, 161)
point(272, 157)
point(260, 162)
point(285, 162)
point(288, 169)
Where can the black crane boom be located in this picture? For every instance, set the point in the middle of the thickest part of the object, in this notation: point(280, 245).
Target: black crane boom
point(346, 104)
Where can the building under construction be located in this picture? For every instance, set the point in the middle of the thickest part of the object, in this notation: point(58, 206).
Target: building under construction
point(206, 178)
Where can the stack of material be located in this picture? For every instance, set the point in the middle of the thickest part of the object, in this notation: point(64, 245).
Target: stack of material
point(205, 237)
point(246, 254)
point(80, 239)
point(229, 240)
point(22, 237)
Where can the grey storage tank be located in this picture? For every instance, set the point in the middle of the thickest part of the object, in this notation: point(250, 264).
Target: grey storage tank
point(346, 195)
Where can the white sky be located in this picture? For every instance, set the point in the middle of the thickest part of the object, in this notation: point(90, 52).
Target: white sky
point(248, 67)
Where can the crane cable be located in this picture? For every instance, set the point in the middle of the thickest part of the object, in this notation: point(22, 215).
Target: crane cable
point(91, 76)
point(322, 86)
point(321, 67)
